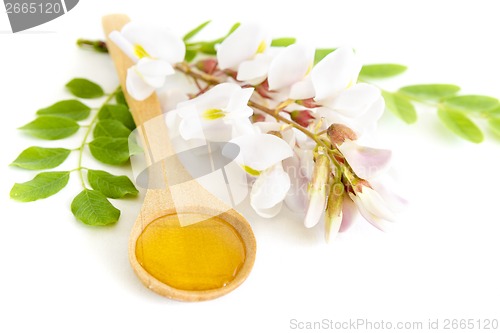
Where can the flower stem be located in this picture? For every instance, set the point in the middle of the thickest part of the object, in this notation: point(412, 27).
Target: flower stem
point(80, 149)
point(184, 67)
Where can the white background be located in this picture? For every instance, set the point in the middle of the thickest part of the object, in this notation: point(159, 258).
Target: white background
point(440, 260)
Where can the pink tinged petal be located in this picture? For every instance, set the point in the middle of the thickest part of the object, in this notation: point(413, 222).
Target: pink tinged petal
point(353, 102)
point(123, 44)
point(302, 90)
point(373, 219)
point(366, 162)
point(136, 86)
point(261, 151)
point(335, 72)
point(289, 66)
point(374, 203)
point(349, 214)
point(390, 193)
point(297, 197)
point(241, 45)
point(254, 71)
point(269, 190)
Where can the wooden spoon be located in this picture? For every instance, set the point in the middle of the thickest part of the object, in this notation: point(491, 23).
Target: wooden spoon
point(159, 203)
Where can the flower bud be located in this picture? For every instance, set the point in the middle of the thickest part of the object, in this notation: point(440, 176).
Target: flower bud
point(207, 65)
point(333, 218)
point(317, 191)
point(308, 103)
point(338, 133)
point(303, 118)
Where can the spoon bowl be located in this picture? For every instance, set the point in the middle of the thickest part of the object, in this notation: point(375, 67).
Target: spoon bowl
point(192, 248)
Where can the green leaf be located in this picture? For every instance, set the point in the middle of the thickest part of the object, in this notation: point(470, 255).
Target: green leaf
point(494, 112)
point(114, 187)
point(120, 98)
point(381, 71)
point(71, 108)
point(401, 106)
point(494, 125)
point(471, 103)
point(460, 124)
point(51, 127)
point(319, 54)
point(110, 150)
point(190, 55)
point(195, 31)
point(117, 112)
point(42, 186)
point(283, 41)
point(111, 128)
point(430, 91)
point(84, 88)
point(38, 158)
point(93, 208)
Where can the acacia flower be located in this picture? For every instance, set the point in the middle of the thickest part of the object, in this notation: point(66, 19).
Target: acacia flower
point(290, 66)
point(261, 156)
point(154, 52)
point(332, 85)
point(373, 200)
point(218, 115)
point(246, 51)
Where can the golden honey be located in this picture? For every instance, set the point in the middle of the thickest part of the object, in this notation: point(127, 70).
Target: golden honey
point(201, 256)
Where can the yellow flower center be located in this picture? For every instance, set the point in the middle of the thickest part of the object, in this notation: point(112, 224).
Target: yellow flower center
point(212, 114)
point(251, 171)
point(262, 47)
point(140, 52)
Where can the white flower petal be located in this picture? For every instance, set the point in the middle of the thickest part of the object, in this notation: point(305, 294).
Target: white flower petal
point(254, 71)
point(157, 42)
point(366, 162)
point(289, 66)
point(303, 89)
point(335, 72)
point(349, 214)
point(367, 123)
point(374, 203)
point(153, 67)
point(297, 197)
point(124, 44)
point(238, 104)
point(136, 86)
point(216, 98)
point(375, 220)
point(261, 151)
point(270, 189)
point(354, 101)
point(316, 208)
point(241, 45)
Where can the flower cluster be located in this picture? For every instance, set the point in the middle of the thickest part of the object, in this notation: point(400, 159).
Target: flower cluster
point(297, 123)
